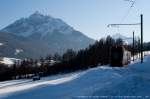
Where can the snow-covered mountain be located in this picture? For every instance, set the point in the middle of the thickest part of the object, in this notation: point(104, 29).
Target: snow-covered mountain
point(38, 35)
point(116, 36)
point(38, 24)
point(128, 40)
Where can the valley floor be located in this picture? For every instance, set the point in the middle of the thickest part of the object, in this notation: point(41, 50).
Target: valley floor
point(132, 81)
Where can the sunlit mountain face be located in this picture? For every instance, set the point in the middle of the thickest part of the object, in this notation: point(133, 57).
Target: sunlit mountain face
point(39, 35)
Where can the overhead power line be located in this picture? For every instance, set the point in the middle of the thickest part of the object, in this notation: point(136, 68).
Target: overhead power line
point(141, 24)
point(132, 2)
point(122, 24)
point(129, 9)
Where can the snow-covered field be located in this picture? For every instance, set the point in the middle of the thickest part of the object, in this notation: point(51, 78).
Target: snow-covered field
point(104, 82)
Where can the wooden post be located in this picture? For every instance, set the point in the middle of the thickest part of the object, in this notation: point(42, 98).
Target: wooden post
point(133, 46)
point(141, 38)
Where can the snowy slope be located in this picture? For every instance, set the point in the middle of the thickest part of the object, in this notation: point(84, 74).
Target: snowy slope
point(9, 61)
point(1, 44)
point(39, 35)
point(132, 80)
point(127, 40)
point(38, 24)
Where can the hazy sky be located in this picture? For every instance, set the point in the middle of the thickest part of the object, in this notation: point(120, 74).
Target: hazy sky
point(88, 16)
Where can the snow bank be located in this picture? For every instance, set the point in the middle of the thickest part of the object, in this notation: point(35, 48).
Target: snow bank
point(10, 87)
point(135, 81)
point(1, 44)
point(12, 82)
point(10, 61)
point(18, 51)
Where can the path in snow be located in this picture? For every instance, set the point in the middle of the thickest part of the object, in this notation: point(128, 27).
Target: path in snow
point(10, 87)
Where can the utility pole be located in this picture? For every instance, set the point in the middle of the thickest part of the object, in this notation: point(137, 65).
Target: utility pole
point(141, 38)
point(133, 46)
point(141, 24)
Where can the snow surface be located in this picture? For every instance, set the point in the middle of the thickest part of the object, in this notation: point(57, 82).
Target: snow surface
point(132, 81)
point(10, 61)
point(38, 24)
point(127, 40)
point(1, 44)
point(18, 51)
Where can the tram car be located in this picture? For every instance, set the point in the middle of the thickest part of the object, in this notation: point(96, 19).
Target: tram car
point(119, 56)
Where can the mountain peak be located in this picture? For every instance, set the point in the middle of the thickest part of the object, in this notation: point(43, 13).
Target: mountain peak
point(38, 24)
point(127, 40)
point(36, 13)
point(39, 35)
point(118, 35)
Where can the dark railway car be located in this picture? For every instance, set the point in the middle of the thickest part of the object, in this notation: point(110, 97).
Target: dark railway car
point(119, 56)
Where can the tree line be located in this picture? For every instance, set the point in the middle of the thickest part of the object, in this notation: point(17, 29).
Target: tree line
point(97, 54)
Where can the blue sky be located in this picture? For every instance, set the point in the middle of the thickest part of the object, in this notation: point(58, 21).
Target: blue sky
point(88, 16)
